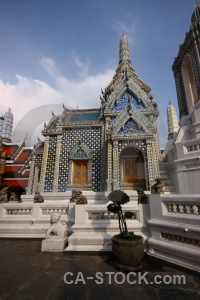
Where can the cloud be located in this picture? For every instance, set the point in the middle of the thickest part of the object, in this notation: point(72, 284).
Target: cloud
point(32, 100)
point(50, 66)
point(128, 30)
point(83, 67)
point(85, 92)
point(28, 94)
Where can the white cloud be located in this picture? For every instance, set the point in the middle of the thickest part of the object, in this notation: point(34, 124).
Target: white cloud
point(28, 94)
point(84, 93)
point(50, 66)
point(83, 67)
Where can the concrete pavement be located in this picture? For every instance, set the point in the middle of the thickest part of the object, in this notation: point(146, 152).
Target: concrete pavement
point(27, 273)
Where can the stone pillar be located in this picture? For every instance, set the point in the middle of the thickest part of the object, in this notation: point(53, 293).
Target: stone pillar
point(44, 163)
point(115, 166)
point(56, 170)
point(31, 177)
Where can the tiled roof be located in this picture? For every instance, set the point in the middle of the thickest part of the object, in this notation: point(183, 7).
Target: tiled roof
point(89, 116)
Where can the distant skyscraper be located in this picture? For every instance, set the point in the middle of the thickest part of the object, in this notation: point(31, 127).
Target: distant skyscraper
point(6, 124)
point(1, 124)
point(172, 120)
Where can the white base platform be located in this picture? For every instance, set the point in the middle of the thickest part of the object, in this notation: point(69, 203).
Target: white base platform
point(53, 245)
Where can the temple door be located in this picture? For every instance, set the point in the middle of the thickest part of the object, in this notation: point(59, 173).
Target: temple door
point(80, 174)
point(131, 170)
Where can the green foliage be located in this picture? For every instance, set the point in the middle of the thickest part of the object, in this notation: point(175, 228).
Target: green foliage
point(118, 197)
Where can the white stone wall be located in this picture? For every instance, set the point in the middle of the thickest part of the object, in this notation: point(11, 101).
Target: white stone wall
point(175, 229)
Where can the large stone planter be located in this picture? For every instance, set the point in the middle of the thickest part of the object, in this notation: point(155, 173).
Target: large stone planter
point(128, 253)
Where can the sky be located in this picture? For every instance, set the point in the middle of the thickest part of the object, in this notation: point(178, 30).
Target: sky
point(62, 51)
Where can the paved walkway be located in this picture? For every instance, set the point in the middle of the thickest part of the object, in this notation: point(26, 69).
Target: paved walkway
point(27, 273)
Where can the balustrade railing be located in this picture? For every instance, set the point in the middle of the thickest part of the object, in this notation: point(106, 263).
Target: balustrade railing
point(102, 215)
point(183, 208)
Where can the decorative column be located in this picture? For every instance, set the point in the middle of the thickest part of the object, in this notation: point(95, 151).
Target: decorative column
point(35, 182)
point(90, 172)
point(44, 163)
point(31, 176)
point(150, 163)
point(155, 159)
point(109, 168)
point(115, 166)
point(56, 170)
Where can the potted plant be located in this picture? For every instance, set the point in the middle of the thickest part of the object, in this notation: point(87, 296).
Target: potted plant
point(127, 247)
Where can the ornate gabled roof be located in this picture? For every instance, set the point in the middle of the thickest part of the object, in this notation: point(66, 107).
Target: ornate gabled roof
point(125, 79)
point(130, 121)
point(125, 70)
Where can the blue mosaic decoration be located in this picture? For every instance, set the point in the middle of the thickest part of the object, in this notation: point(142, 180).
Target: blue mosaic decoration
point(38, 160)
point(80, 154)
point(131, 127)
point(49, 175)
point(122, 103)
point(91, 137)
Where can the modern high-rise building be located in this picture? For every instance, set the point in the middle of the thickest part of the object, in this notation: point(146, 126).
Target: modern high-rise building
point(6, 125)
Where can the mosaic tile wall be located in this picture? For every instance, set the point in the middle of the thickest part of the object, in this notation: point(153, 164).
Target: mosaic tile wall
point(38, 160)
point(50, 166)
point(123, 102)
point(141, 144)
point(91, 137)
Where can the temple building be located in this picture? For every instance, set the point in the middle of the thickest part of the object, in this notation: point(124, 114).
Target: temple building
point(15, 166)
point(184, 154)
point(102, 149)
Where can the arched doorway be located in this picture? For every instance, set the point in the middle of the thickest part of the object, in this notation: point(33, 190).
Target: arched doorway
point(189, 82)
point(132, 168)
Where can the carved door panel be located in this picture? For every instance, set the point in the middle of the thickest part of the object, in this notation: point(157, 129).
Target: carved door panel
point(131, 170)
point(80, 174)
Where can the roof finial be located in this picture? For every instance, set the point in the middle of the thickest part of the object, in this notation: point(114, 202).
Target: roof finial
point(197, 4)
point(124, 50)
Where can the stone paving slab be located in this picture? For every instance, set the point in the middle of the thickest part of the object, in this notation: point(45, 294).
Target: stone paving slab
point(28, 273)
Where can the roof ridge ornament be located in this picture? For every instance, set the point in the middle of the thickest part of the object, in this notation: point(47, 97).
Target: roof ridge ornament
point(124, 55)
